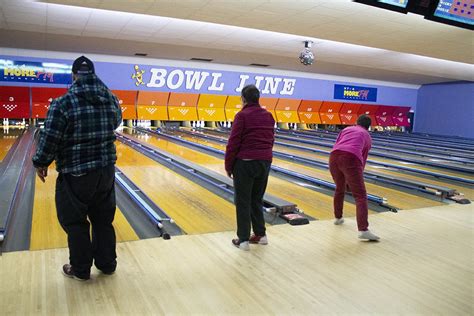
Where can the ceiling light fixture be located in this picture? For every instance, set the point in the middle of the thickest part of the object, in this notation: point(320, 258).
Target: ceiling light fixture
point(306, 55)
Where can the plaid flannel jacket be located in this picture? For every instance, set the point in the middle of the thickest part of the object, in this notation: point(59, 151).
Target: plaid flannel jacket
point(79, 129)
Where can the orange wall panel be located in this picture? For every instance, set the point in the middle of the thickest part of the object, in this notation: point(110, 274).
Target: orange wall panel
point(348, 113)
point(309, 117)
point(310, 106)
point(329, 112)
point(127, 101)
point(288, 105)
point(183, 99)
point(308, 111)
point(149, 98)
point(286, 111)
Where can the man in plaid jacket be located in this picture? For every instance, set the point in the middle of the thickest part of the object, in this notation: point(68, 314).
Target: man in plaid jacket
point(79, 135)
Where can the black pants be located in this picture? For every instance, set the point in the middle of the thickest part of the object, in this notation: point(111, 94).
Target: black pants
point(250, 183)
point(77, 198)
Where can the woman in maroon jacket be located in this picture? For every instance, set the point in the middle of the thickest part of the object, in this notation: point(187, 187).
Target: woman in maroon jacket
point(247, 160)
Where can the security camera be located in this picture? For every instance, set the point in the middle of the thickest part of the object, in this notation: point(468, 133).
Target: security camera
point(306, 55)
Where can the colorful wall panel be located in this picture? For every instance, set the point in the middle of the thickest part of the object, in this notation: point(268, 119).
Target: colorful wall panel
point(370, 110)
point(152, 105)
point(41, 99)
point(14, 102)
point(127, 100)
point(309, 112)
point(232, 106)
point(183, 106)
point(384, 115)
point(348, 113)
point(211, 107)
point(269, 104)
point(400, 116)
point(329, 112)
point(287, 111)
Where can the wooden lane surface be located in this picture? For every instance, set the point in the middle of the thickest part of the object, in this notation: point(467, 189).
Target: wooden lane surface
point(313, 203)
point(7, 139)
point(307, 154)
point(399, 163)
point(194, 209)
point(467, 191)
point(46, 231)
point(422, 266)
point(396, 198)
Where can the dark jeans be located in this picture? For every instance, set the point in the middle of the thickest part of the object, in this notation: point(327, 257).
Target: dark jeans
point(346, 168)
point(88, 196)
point(250, 182)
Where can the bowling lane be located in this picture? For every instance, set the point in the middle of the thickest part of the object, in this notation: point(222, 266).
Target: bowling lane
point(194, 209)
point(7, 138)
point(46, 233)
point(306, 154)
point(396, 198)
point(313, 203)
point(468, 192)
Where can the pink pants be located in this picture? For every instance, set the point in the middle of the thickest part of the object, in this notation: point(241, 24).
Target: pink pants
point(346, 168)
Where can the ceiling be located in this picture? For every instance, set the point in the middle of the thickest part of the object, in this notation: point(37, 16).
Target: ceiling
point(400, 48)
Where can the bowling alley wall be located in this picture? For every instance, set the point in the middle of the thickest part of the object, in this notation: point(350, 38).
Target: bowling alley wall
point(166, 90)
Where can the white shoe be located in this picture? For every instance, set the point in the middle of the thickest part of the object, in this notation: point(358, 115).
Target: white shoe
point(339, 221)
point(244, 245)
point(368, 235)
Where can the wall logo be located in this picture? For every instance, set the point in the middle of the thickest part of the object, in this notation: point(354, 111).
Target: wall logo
point(183, 111)
point(287, 114)
point(138, 76)
point(308, 115)
point(356, 93)
point(210, 112)
point(151, 110)
point(34, 72)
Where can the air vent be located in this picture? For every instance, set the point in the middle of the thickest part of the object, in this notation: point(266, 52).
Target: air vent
point(141, 54)
point(201, 59)
point(259, 65)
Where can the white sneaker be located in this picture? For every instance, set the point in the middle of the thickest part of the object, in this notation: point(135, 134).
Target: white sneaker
point(368, 235)
point(339, 221)
point(244, 245)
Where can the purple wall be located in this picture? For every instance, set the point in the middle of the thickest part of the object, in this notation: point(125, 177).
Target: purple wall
point(446, 109)
point(120, 76)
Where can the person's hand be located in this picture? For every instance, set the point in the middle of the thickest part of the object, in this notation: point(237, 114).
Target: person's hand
point(229, 174)
point(42, 173)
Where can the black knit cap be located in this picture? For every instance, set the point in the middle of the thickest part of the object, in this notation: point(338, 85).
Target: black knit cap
point(83, 66)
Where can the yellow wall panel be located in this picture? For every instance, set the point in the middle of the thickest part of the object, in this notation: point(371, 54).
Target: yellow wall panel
point(211, 114)
point(182, 113)
point(287, 116)
point(159, 113)
point(212, 101)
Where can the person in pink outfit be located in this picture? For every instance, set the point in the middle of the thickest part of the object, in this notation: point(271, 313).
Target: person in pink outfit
point(346, 163)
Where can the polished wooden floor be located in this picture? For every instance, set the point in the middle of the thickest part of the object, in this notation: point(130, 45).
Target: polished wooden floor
point(423, 265)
